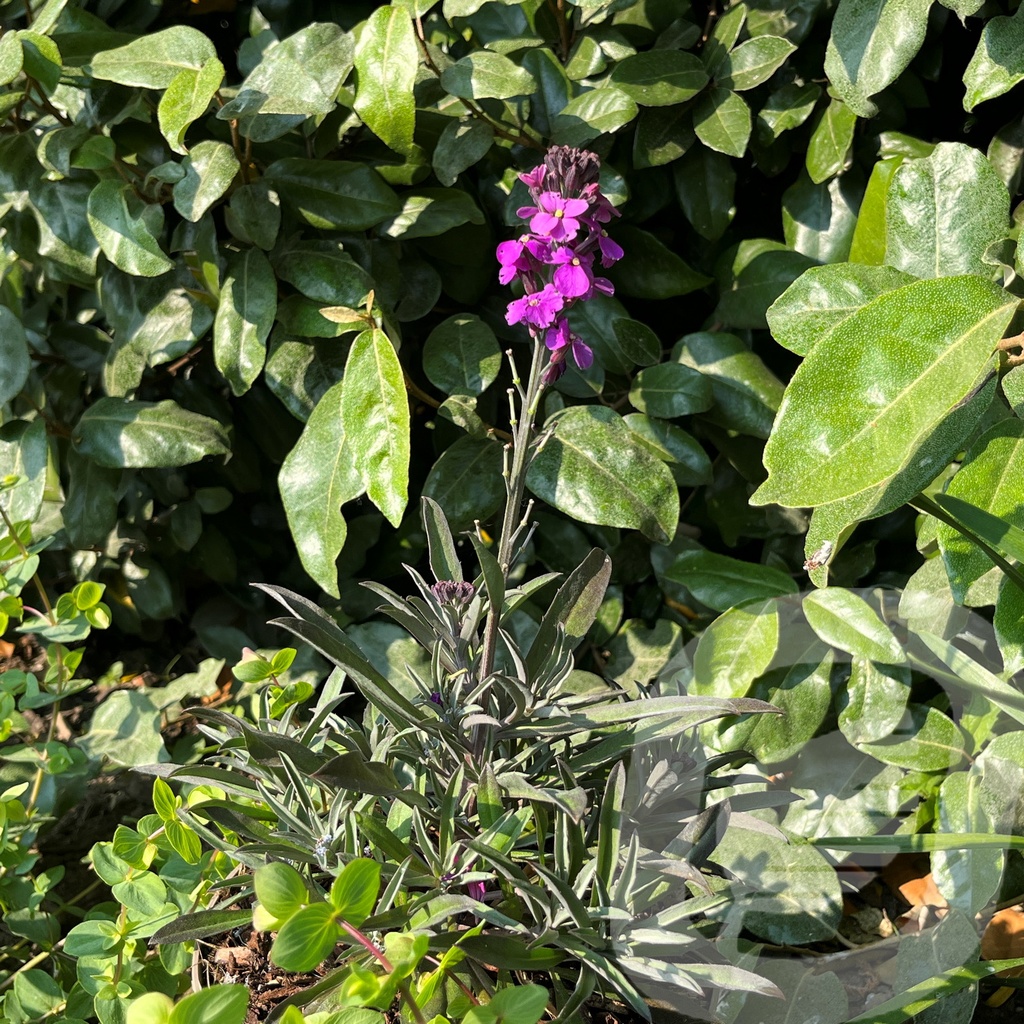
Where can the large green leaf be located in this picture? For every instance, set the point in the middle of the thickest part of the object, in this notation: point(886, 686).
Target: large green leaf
point(872, 42)
point(23, 454)
point(943, 211)
point(669, 390)
point(660, 78)
point(878, 385)
point(153, 61)
point(650, 269)
point(553, 92)
point(122, 435)
point(466, 481)
point(753, 62)
point(387, 59)
point(432, 211)
point(821, 298)
point(296, 79)
point(998, 62)
point(375, 419)
point(595, 470)
point(333, 193)
point(706, 185)
point(926, 740)
point(990, 479)
point(118, 220)
point(245, 315)
point(461, 355)
point(592, 114)
point(759, 272)
point(830, 144)
point(736, 649)
point(848, 622)
point(721, 120)
point(487, 75)
point(746, 393)
point(14, 355)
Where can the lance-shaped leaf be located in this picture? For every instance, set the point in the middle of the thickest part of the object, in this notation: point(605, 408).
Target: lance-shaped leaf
point(186, 100)
point(317, 477)
point(876, 388)
point(386, 63)
point(245, 315)
point(153, 61)
point(375, 419)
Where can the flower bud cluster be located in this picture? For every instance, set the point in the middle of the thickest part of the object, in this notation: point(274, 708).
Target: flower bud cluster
point(554, 260)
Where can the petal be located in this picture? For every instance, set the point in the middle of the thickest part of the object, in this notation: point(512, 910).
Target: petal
point(575, 207)
point(572, 281)
point(507, 274)
point(525, 212)
point(582, 353)
point(509, 252)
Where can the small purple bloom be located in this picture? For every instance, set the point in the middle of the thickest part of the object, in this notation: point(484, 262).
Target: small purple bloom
point(560, 339)
point(514, 259)
point(557, 217)
point(572, 278)
point(538, 309)
point(476, 890)
point(435, 697)
point(450, 592)
point(611, 251)
point(534, 180)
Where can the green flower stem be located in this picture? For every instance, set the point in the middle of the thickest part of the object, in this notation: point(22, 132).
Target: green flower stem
point(515, 486)
point(403, 986)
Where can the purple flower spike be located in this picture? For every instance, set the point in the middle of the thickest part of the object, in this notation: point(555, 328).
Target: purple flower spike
point(538, 309)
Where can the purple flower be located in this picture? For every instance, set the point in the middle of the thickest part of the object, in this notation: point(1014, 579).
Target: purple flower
point(560, 339)
point(555, 217)
point(514, 259)
point(573, 277)
point(538, 309)
point(435, 697)
point(534, 180)
point(476, 890)
point(450, 592)
point(611, 251)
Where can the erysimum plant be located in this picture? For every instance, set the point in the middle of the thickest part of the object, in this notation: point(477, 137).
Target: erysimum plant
point(481, 826)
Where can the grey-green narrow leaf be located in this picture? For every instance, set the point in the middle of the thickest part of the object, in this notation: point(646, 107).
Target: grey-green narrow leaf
point(117, 220)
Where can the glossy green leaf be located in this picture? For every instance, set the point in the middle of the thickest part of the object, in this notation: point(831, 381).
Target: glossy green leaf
point(989, 479)
point(375, 419)
point(317, 477)
point(868, 245)
point(670, 390)
point(822, 298)
point(466, 481)
point(706, 184)
point(721, 119)
point(1009, 626)
point(724, 35)
point(908, 358)
point(14, 355)
point(387, 58)
point(745, 392)
point(592, 114)
point(461, 145)
point(431, 211)
point(517, 1004)
point(118, 221)
point(209, 170)
point(819, 220)
point(830, 144)
point(752, 63)
point(721, 582)
point(152, 61)
point(874, 700)
point(461, 356)
point(660, 78)
point(926, 740)
point(120, 434)
point(848, 622)
point(649, 269)
point(735, 650)
point(663, 134)
point(998, 64)
point(787, 108)
point(11, 57)
point(354, 892)
point(760, 270)
point(224, 1003)
point(280, 890)
point(90, 510)
point(593, 469)
point(930, 230)
point(187, 98)
point(42, 59)
point(686, 459)
point(333, 193)
point(872, 42)
point(306, 939)
point(484, 74)
point(296, 79)
point(245, 315)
